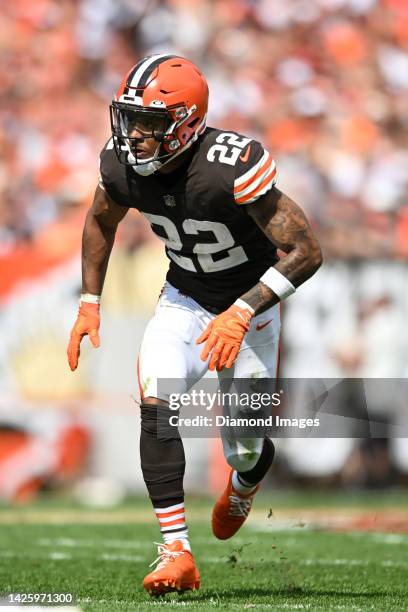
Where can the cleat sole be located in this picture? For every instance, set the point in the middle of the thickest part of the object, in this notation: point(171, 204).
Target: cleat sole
point(169, 586)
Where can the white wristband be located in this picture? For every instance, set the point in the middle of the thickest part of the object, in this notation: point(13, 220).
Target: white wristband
point(90, 299)
point(280, 285)
point(244, 305)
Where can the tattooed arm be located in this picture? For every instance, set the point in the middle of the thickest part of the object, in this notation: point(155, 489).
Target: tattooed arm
point(285, 224)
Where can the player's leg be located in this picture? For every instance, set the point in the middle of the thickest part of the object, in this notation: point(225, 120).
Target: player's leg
point(163, 465)
point(250, 453)
point(168, 359)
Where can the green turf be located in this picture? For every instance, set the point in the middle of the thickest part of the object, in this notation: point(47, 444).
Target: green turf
point(279, 498)
point(103, 565)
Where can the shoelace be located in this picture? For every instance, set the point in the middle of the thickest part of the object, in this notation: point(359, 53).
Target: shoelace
point(164, 555)
point(240, 506)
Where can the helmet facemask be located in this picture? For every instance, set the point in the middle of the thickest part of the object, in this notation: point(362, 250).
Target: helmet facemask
point(132, 125)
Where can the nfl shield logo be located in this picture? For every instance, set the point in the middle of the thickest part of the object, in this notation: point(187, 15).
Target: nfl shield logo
point(169, 200)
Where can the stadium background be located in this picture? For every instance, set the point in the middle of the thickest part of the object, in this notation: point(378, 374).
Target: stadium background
point(323, 84)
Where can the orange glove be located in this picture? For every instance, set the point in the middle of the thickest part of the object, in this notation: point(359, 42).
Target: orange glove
point(87, 323)
point(224, 335)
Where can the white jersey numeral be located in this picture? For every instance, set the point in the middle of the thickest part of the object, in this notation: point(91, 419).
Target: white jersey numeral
point(224, 241)
point(228, 153)
point(171, 240)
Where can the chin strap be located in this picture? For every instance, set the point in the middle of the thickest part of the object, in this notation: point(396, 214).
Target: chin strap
point(144, 169)
point(152, 166)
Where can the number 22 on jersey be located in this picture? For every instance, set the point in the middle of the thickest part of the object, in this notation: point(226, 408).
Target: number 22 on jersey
point(227, 153)
point(224, 241)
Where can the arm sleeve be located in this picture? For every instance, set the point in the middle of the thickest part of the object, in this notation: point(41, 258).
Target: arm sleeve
point(255, 174)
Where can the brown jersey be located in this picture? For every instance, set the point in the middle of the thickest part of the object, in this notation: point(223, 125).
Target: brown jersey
point(216, 250)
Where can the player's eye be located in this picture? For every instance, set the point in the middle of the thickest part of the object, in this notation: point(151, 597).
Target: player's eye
point(143, 124)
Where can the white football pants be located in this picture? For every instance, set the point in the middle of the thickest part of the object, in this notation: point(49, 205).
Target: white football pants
point(169, 351)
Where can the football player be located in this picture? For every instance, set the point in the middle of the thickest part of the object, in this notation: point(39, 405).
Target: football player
point(210, 195)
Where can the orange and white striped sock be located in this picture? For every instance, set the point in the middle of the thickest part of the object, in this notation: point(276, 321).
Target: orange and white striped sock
point(173, 524)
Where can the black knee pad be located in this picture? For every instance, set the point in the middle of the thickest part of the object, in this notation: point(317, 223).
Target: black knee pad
point(162, 455)
point(155, 421)
point(257, 473)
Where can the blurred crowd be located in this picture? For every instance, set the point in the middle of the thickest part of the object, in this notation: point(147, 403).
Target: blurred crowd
point(322, 83)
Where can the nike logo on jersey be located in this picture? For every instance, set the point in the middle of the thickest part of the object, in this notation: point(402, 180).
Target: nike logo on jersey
point(244, 157)
point(262, 325)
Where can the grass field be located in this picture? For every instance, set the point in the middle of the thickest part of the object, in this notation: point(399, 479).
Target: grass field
point(284, 562)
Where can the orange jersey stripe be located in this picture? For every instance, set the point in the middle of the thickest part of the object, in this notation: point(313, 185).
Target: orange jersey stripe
point(261, 170)
point(253, 193)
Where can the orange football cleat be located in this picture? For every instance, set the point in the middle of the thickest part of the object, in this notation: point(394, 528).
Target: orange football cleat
point(176, 570)
point(231, 511)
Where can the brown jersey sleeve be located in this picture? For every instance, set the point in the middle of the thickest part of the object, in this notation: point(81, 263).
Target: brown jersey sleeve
point(114, 176)
point(255, 173)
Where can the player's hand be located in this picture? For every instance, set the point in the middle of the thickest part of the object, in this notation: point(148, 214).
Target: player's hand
point(87, 324)
point(223, 337)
